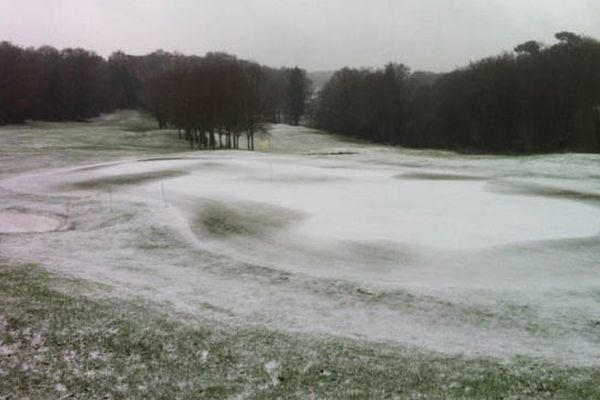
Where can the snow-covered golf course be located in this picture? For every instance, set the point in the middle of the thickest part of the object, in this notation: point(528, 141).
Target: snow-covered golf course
point(466, 256)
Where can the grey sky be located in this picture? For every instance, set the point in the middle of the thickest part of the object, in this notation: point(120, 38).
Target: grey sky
point(434, 35)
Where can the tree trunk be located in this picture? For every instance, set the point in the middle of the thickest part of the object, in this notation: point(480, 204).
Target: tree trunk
point(190, 137)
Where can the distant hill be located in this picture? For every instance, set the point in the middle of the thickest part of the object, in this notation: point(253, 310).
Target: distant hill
point(319, 78)
point(425, 77)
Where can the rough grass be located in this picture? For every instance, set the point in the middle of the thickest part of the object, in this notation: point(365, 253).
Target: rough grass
point(244, 219)
point(126, 179)
point(531, 189)
point(54, 345)
point(44, 145)
point(437, 177)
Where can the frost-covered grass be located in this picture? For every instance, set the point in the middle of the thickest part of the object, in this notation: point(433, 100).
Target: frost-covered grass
point(42, 145)
point(246, 219)
point(319, 267)
point(532, 189)
point(14, 221)
point(107, 183)
point(58, 345)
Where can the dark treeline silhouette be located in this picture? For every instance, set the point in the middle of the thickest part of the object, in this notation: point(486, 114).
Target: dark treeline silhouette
point(45, 83)
point(70, 84)
point(364, 103)
point(212, 100)
point(540, 99)
point(215, 99)
point(537, 99)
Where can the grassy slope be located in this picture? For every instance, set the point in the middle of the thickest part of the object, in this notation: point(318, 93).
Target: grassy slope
point(44, 145)
point(54, 345)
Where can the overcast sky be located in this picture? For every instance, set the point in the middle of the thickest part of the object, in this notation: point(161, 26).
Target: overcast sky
point(435, 35)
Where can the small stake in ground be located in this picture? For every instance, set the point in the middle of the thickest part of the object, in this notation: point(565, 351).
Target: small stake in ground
point(68, 209)
point(265, 145)
point(164, 196)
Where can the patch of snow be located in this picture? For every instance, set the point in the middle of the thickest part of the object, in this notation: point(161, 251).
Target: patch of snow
point(6, 350)
point(469, 255)
point(18, 222)
point(204, 356)
point(273, 369)
point(59, 387)
point(37, 340)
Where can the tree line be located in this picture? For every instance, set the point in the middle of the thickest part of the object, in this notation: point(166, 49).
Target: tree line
point(213, 100)
point(48, 84)
point(537, 99)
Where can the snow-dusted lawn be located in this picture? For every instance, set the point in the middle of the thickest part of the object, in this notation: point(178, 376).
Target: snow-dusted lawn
point(55, 345)
point(14, 221)
point(475, 256)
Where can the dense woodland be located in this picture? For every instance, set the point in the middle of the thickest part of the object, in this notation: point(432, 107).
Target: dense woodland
point(535, 99)
point(212, 100)
point(216, 99)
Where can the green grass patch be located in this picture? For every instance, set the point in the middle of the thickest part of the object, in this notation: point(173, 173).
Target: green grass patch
point(57, 345)
point(244, 219)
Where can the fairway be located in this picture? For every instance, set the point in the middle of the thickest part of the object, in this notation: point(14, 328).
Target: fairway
point(463, 273)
